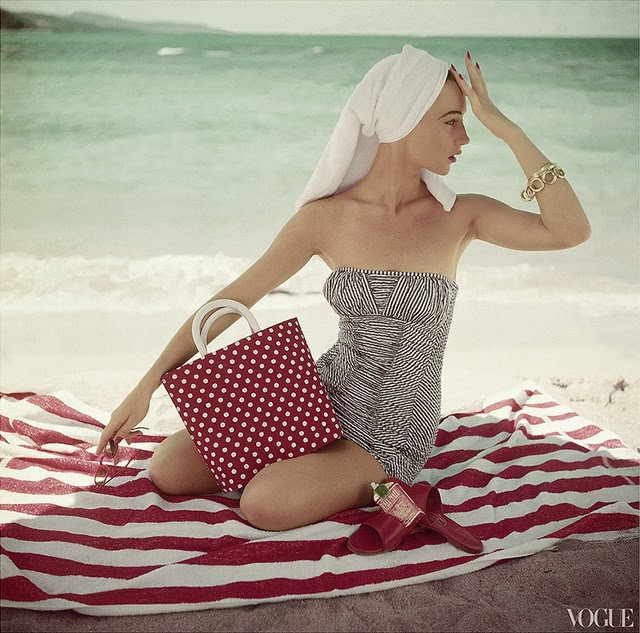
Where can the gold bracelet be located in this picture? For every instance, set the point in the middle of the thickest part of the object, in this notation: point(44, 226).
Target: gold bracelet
point(546, 175)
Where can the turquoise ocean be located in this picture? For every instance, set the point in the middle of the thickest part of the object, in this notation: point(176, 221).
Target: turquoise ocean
point(142, 172)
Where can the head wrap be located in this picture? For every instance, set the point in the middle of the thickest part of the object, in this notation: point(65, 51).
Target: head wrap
point(384, 107)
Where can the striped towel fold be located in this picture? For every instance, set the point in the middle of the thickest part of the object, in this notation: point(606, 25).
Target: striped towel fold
point(523, 473)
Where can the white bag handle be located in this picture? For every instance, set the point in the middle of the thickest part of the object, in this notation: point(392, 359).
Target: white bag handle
point(221, 307)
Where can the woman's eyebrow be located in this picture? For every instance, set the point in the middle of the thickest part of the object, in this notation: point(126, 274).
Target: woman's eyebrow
point(452, 112)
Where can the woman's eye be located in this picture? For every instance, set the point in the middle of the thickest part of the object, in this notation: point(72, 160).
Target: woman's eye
point(451, 122)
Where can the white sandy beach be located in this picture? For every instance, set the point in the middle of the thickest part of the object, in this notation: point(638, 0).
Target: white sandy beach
point(586, 361)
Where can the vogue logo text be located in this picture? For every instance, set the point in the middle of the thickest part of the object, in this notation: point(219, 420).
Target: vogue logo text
point(602, 618)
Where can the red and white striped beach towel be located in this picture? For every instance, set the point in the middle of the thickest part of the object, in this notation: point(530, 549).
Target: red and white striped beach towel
point(523, 472)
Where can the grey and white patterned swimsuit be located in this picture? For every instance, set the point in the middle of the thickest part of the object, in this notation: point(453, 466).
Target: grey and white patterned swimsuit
point(383, 374)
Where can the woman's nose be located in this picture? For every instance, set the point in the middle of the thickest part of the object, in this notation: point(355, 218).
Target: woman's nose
point(464, 137)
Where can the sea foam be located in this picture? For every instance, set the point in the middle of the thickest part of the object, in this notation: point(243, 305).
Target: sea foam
point(168, 282)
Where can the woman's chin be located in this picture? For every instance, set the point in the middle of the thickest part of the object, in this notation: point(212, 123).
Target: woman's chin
point(440, 170)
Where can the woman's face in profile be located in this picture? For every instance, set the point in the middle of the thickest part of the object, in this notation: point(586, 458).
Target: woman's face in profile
point(440, 135)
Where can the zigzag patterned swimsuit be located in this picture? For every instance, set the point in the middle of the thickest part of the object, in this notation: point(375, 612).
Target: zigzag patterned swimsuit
point(383, 374)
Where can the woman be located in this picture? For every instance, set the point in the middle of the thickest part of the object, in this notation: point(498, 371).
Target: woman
point(376, 212)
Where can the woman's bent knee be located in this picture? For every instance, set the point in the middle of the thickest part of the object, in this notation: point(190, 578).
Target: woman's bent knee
point(160, 471)
point(269, 506)
point(259, 508)
point(177, 468)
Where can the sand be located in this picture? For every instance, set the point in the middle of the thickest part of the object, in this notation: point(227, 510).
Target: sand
point(584, 359)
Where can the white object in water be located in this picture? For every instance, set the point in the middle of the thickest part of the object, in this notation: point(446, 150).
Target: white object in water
point(167, 50)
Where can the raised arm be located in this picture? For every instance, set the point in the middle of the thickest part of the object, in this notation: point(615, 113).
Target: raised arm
point(296, 243)
point(561, 222)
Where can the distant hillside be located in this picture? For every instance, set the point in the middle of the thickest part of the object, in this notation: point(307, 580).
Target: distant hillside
point(84, 21)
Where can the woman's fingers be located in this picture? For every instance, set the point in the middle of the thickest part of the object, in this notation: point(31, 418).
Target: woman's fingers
point(483, 108)
point(110, 431)
point(475, 75)
point(127, 416)
point(473, 88)
point(460, 80)
point(118, 426)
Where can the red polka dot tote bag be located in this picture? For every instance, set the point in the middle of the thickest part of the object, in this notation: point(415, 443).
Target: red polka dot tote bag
point(254, 402)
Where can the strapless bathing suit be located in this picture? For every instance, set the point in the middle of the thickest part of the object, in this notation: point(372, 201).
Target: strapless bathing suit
point(383, 373)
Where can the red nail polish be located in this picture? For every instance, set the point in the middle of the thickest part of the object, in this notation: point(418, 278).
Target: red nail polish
point(468, 55)
point(460, 75)
point(477, 66)
point(455, 70)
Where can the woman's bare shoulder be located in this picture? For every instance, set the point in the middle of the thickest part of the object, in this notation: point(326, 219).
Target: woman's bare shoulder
point(321, 213)
point(324, 205)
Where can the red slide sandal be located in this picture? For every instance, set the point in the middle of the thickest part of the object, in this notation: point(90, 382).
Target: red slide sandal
point(381, 533)
point(384, 532)
point(427, 498)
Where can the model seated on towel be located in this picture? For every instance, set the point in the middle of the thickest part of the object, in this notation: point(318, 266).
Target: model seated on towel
point(377, 212)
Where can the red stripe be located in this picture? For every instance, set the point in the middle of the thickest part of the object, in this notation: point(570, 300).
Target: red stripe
point(56, 566)
point(489, 429)
point(84, 462)
point(498, 498)
point(38, 435)
point(54, 405)
point(474, 478)
point(562, 417)
point(22, 590)
point(42, 437)
point(52, 486)
point(613, 522)
point(18, 395)
point(499, 454)
point(546, 514)
point(513, 404)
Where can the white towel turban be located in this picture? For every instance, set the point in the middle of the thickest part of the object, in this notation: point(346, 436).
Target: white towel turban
point(384, 107)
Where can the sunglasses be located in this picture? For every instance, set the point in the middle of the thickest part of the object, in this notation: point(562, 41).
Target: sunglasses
point(111, 451)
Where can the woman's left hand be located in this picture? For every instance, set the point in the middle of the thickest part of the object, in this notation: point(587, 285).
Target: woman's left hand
point(481, 105)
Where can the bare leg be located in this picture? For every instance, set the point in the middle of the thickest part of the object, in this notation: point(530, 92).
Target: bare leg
point(284, 495)
point(177, 468)
point(307, 489)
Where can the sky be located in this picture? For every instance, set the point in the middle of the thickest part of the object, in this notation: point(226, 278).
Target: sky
point(562, 18)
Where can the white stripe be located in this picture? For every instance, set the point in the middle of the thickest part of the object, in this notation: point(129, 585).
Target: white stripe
point(126, 558)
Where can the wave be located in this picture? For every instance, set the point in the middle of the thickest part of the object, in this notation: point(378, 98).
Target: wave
point(169, 282)
point(217, 54)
